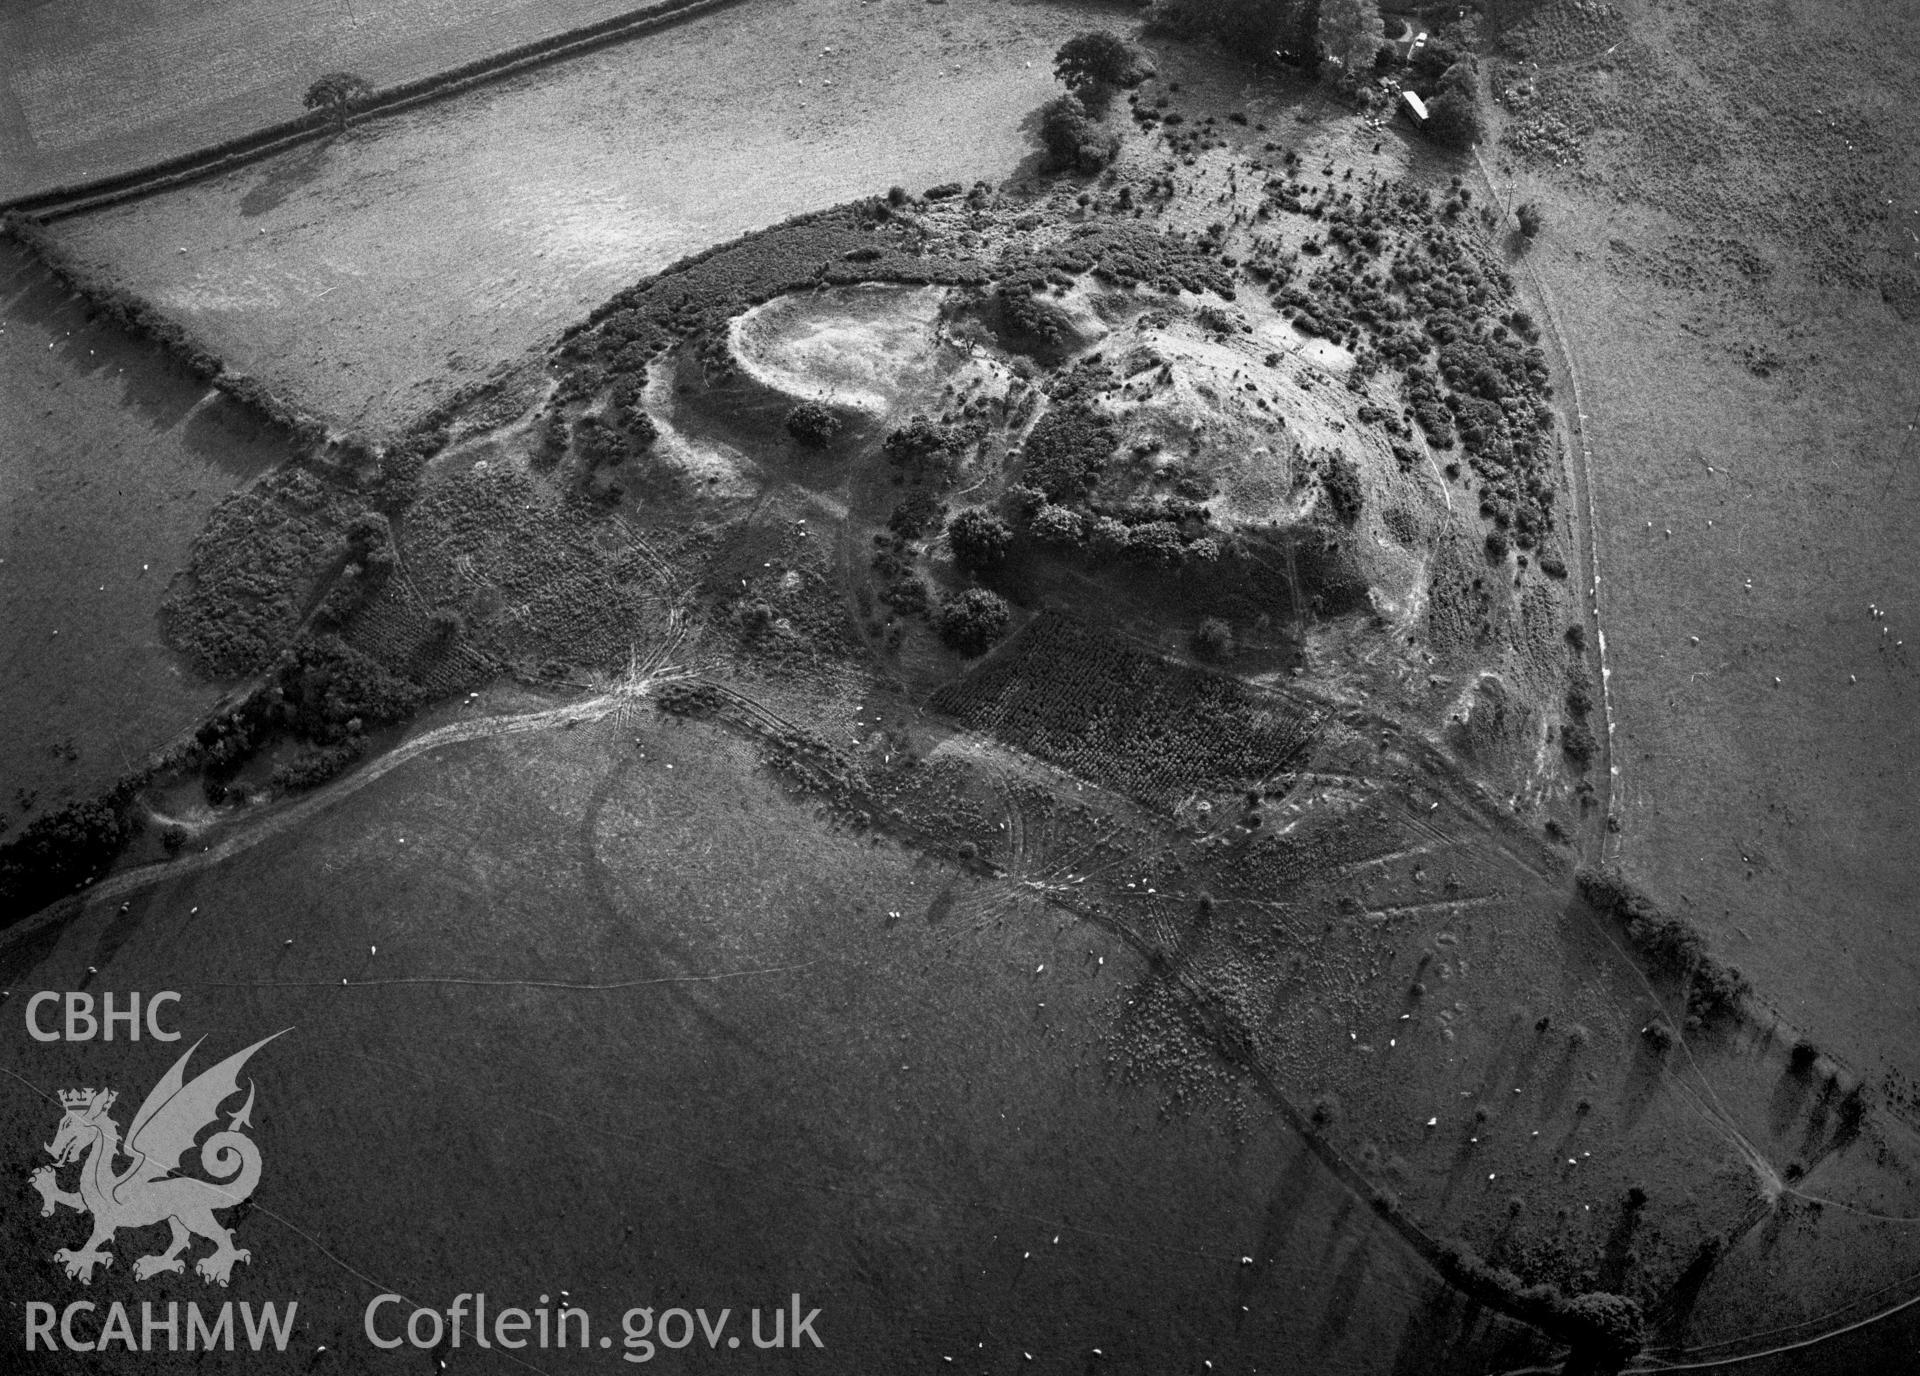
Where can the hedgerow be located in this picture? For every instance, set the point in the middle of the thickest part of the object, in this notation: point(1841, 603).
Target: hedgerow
point(1254, 26)
point(123, 308)
point(321, 691)
point(1672, 945)
point(312, 768)
point(1605, 1325)
point(55, 853)
point(129, 311)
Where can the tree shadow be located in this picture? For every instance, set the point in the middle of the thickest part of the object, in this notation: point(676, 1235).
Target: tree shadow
point(1463, 1159)
point(165, 395)
point(1775, 1225)
point(1450, 1331)
point(1509, 1229)
point(1282, 1215)
point(1038, 166)
point(1433, 1329)
point(1529, 1058)
point(1788, 1099)
point(1616, 1256)
point(1344, 1293)
point(21, 955)
point(1816, 1131)
point(152, 384)
point(1675, 1310)
point(1648, 1070)
point(125, 921)
point(1498, 1070)
point(286, 175)
point(1337, 1228)
point(1559, 1080)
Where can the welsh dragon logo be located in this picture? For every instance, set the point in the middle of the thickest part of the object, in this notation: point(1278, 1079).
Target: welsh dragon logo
point(147, 1191)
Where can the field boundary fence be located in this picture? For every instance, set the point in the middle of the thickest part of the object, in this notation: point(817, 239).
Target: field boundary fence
point(227, 155)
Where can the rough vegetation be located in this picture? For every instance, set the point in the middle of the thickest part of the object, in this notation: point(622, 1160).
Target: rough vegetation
point(1073, 138)
point(1124, 717)
point(56, 853)
point(973, 621)
point(257, 568)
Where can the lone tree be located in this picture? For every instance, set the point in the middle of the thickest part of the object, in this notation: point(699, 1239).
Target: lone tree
point(337, 93)
point(1094, 64)
point(812, 424)
point(1530, 218)
point(1349, 34)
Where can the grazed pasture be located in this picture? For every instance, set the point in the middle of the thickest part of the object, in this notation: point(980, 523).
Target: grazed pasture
point(105, 88)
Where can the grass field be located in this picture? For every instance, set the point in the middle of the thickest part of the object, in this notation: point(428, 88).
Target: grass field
point(708, 1050)
point(113, 463)
point(1744, 342)
point(125, 84)
point(1730, 250)
point(1377, 928)
point(1768, 765)
point(432, 246)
